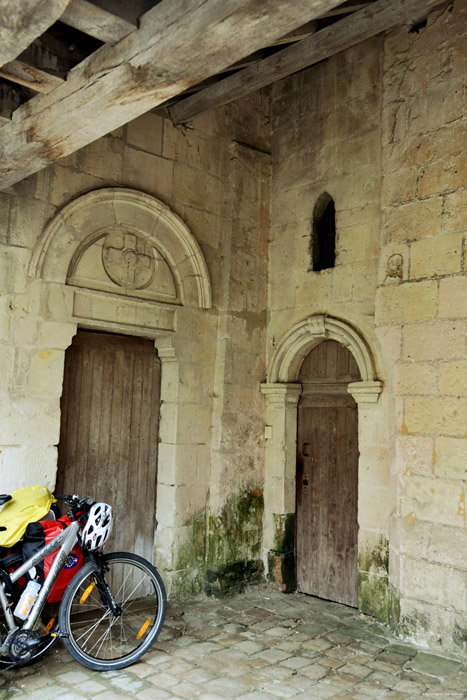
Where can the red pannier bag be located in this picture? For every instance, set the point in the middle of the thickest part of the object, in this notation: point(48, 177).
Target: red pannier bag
point(39, 534)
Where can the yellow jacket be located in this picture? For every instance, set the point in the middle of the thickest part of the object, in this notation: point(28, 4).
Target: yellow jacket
point(27, 505)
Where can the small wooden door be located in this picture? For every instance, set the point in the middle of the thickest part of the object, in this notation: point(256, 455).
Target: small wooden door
point(109, 432)
point(327, 476)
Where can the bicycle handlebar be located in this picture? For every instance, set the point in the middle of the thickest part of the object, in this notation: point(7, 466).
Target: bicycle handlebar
point(75, 501)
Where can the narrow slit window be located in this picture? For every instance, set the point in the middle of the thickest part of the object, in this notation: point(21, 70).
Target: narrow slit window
point(323, 248)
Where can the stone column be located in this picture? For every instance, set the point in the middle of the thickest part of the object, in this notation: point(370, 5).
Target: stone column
point(373, 499)
point(279, 481)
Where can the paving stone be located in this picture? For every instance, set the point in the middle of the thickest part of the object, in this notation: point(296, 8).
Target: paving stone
point(152, 694)
point(295, 662)
point(404, 649)
point(226, 687)
point(315, 671)
point(275, 673)
point(257, 649)
point(186, 690)
point(433, 665)
point(91, 687)
point(357, 670)
point(249, 647)
point(273, 656)
point(281, 690)
point(393, 658)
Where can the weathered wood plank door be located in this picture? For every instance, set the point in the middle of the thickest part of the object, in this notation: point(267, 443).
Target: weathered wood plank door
point(109, 432)
point(327, 477)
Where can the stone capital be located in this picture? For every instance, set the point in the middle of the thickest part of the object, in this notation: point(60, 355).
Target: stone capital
point(281, 394)
point(365, 392)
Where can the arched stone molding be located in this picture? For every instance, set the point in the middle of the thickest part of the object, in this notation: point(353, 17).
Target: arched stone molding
point(89, 218)
point(296, 343)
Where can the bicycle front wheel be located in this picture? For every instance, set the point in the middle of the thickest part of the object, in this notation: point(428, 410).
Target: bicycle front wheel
point(109, 621)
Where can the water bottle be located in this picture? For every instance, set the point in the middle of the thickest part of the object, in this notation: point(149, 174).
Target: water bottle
point(27, 600)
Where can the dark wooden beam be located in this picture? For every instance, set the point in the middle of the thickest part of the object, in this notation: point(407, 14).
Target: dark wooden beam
point(347, 32)
point(96, 22)
point(166, 55)
point(21, 22)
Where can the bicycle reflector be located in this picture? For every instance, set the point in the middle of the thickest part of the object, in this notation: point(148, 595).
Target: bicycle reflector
point(143, 628)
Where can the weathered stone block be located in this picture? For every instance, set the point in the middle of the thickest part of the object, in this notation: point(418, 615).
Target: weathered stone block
point(45, 375)
point(434, 500)
point(443, 176)
point(455, 210)
point(453, 378)
point(432, 257)
point(414, 455)
point(436, 340)
point(26, 465)
point(436, 415)
point(416, 378)
point(414, 220)
point(407, 302)
point(453, 297)
point(448, 586)
point(145, 133)
point(148, 173)
point(102, 157)
point(450, 458)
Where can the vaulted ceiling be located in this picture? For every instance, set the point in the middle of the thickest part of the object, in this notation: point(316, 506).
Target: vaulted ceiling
point(74, 70)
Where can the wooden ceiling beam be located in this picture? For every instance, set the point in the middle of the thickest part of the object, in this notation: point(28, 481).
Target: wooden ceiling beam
point(29, 76)
point(96, 22)
point(21, 22)
point(179, 43)
point(349, 31)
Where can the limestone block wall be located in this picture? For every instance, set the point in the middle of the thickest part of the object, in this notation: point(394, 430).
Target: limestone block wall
point(326, 137)
point(421, 316)
point(188, 171)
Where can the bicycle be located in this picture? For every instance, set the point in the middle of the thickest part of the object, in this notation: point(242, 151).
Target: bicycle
point(111, 611)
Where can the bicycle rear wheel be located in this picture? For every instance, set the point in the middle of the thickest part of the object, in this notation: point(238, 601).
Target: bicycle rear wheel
point(45, 627)
point(102, 639)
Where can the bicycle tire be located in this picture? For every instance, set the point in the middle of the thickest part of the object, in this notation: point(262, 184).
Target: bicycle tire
point(10, 563)
point(87, 623)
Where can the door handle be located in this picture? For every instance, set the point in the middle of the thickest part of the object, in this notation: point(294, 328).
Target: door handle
point(305, 449)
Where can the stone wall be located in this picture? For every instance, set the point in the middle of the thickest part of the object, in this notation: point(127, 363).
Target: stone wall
point(326, 125)
point(210, 183)
point(421, 316)
point(381, 128)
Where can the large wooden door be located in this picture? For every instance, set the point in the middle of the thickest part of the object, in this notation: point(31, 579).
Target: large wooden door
point(327, 477)
point(109, 432)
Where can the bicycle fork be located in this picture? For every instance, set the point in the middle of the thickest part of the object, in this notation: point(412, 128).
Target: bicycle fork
point(104, 591)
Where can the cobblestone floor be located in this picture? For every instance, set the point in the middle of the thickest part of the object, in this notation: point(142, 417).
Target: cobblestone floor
point(261, 645)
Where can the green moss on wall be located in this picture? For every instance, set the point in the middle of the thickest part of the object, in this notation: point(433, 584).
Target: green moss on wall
point(284, 532)
point(394, 608)
point(373, 564)
point(375, 560)
point(234, 545)
point(373, 595)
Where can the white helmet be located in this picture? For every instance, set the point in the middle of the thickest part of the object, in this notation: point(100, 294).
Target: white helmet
point(97, 529)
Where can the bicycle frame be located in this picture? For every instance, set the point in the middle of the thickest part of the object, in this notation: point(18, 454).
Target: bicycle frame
point(66, 540)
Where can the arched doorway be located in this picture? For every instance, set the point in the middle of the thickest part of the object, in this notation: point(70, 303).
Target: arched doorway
point(282, 393)
point(326, 542)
